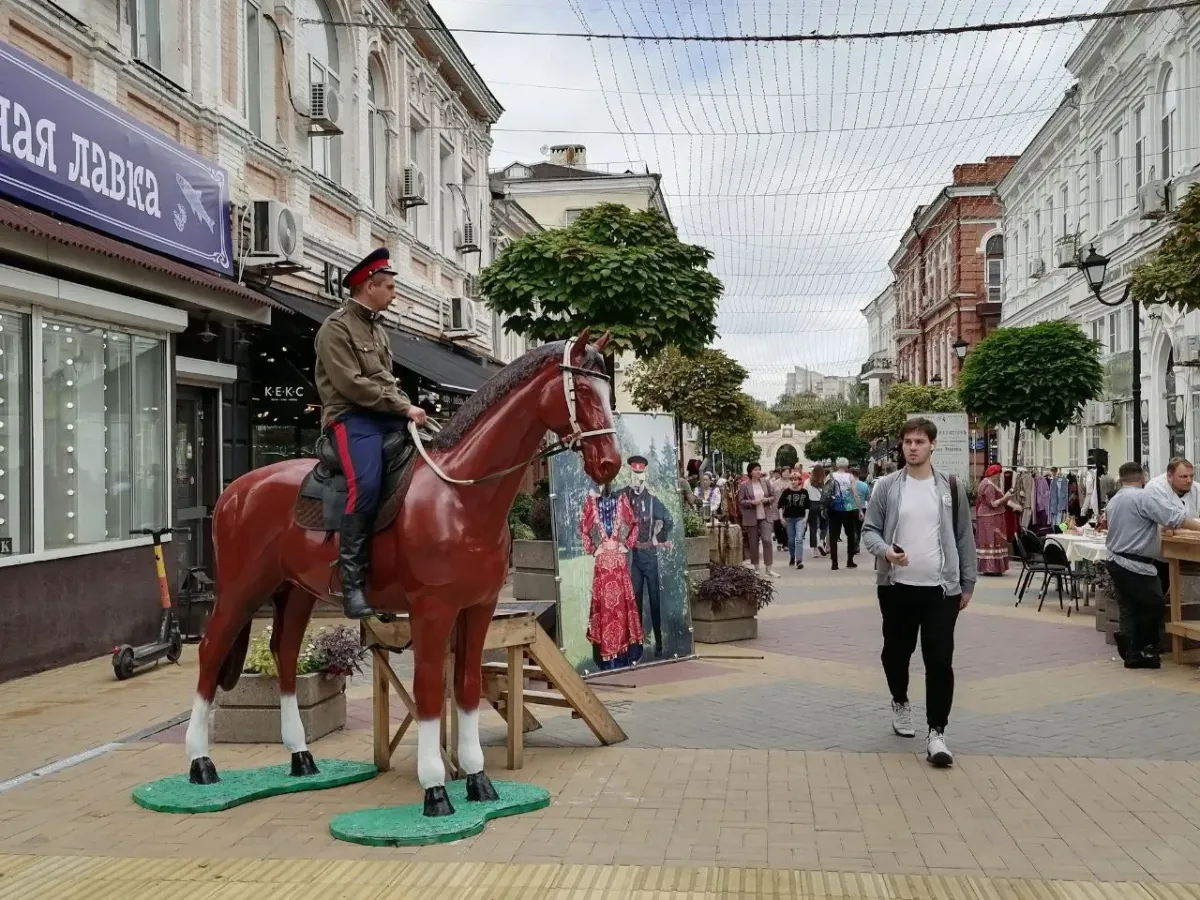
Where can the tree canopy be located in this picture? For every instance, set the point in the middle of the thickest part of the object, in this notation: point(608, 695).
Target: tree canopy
point(808, 412)
point(903, 400)
point(613, 270)
point(1171, 274)
point(1037, 377)
point(737, 448)
point(838, 439)
point(702, 390)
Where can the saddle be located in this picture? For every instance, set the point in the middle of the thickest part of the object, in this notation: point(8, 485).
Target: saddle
point(321, 503)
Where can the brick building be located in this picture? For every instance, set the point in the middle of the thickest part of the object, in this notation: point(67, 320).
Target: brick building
point(949, 273)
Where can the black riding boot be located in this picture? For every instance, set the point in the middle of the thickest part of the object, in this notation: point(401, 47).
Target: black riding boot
point(354, 555)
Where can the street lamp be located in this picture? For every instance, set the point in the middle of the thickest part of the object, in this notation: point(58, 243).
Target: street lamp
point(960, 349)
point(1095, 267)
point(936, 380)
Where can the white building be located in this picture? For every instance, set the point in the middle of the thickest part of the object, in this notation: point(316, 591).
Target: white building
point(1123, 145)
point(879, 369)
point(808, 381)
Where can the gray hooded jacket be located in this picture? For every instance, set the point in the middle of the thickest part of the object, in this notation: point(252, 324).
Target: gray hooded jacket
point(959, 565)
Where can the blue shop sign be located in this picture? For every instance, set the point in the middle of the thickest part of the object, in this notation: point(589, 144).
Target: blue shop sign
point(68, 152)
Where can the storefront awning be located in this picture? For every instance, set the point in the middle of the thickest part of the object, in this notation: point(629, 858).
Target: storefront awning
point(450, 371)
point(75, 236)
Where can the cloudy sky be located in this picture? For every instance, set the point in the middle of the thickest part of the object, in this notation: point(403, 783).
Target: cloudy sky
point(798, 165)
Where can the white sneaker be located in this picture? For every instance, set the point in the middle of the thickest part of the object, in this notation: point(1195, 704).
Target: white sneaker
point(771, 573)
point(902, 719)
point(936, 750)
point(748, 565)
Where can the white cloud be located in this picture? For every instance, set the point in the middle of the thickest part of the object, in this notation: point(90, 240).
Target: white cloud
point(799, 165)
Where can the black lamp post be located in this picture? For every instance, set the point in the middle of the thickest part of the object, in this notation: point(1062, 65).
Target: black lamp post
point(960, 349)
point(936, 380)
point(1095, 267)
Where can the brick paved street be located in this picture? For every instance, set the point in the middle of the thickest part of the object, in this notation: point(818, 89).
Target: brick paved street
point(769, 754)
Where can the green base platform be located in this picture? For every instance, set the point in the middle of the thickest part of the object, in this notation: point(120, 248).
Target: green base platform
point(178, 795)
point(407, 826)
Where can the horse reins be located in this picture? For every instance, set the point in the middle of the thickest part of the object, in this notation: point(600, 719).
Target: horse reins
point(571, 442)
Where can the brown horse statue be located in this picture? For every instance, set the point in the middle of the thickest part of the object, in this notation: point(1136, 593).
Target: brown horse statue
point(443, 560)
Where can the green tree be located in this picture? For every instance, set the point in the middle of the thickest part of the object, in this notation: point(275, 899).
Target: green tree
point(838, 439)
point(612, 270)
point(703, 390)
point(904, 400)
point(1171, 274)
point(737, 448)
point(1038, 377)
point(809, 412)
point(764, 419)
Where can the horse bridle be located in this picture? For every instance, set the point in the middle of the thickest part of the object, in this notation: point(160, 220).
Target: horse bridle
point(570, 442)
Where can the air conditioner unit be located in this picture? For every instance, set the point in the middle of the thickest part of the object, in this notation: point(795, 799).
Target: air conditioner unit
point(1066, 256)
point(464, 239)
point(324, 109)
point(276, 233)
point(458, 318)
point(1188, 351)
point(414, 190)
point(1037, 268)
point(1152, 199)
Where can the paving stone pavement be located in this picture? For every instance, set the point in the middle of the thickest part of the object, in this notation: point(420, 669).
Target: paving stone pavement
point(773, 754)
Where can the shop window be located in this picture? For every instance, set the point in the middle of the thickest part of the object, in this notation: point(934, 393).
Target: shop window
point(103, 434)
point(16, 429)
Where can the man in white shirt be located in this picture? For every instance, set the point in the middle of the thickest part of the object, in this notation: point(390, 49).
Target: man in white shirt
point(1176, 487)
point(918, 528)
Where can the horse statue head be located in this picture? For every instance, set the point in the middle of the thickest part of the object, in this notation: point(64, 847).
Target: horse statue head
point(584, 422)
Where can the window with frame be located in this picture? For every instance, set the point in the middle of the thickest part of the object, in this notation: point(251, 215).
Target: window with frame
point(1114, 332)
point(421, 216)
point(1075, 445)
point(146, 33)
point(252, 66)
point(377, 140)
point(448, 204)
point(1064, 200)
point(324, 67)
point(1040, 260)
point(1195, 425)
point(1097, 190)
point(1139, 148)
point(1028, 249)
point(103, 435)
point(1168, 124)
point(1049, 226)
point(16, 430)
point(571, 215)
point(1016, 255)
point(1119, 188)
point(993, 253)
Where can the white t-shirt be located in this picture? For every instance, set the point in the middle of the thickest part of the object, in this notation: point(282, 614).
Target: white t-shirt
point(918, 532)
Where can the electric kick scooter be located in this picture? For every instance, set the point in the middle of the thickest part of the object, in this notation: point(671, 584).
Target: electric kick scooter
point(128, 659)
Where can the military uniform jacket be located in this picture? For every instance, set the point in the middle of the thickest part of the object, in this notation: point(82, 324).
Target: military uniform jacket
point(354, 365)
point(649, 511)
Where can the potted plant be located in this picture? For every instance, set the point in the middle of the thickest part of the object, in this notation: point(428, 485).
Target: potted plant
point(696, 534)
point(725, 605)
point(249, 714)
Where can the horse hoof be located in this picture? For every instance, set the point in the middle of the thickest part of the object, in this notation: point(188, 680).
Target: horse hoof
point(203, 771)
point(386, 617)
point(480, 789)
point(437, 803)
point(302, 764)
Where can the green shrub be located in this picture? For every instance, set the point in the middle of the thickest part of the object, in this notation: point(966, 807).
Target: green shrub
point(519, 513)
point(693, 525)
point(521, 532)
point(541, 519)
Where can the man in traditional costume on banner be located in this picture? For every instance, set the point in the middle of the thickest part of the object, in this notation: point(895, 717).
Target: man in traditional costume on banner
point(654, 526)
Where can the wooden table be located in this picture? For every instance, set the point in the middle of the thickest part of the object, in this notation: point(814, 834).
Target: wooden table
point(1178, 547)
point(515, 629)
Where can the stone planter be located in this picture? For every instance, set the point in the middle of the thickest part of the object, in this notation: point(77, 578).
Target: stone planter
point(736, 621)
point(249, 714)
point(698, 556)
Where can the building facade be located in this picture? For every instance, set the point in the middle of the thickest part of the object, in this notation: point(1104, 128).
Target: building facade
point(808, 381)
point(877, 371)
point(948, 274)
point(555, 191)
point(1121, 149)
point(183, 192)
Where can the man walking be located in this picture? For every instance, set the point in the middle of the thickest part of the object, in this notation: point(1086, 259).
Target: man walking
point(1134, 517)
point(841, 502)
point(918, 528)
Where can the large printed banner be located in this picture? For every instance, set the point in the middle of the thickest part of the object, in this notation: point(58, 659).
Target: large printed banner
point(68, 152)
point(622, 554)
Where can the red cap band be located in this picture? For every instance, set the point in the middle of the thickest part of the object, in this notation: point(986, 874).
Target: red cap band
point(367, 271)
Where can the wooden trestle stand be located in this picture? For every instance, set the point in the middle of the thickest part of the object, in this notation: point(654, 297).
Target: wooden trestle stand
point(515, 629)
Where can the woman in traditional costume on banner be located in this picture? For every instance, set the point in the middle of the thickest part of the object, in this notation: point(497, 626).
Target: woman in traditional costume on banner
point(609, 530)
point(991, 533)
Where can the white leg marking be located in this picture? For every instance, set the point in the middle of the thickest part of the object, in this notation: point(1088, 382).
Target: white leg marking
point(197, 733)
point(290, 725)
point(470, 754)
point(431, 772)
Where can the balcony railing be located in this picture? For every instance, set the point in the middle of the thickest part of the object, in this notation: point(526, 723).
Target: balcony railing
point(878, 363)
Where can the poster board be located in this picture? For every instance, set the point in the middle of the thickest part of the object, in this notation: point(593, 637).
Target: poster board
point(953, 453)
point(602, 593)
